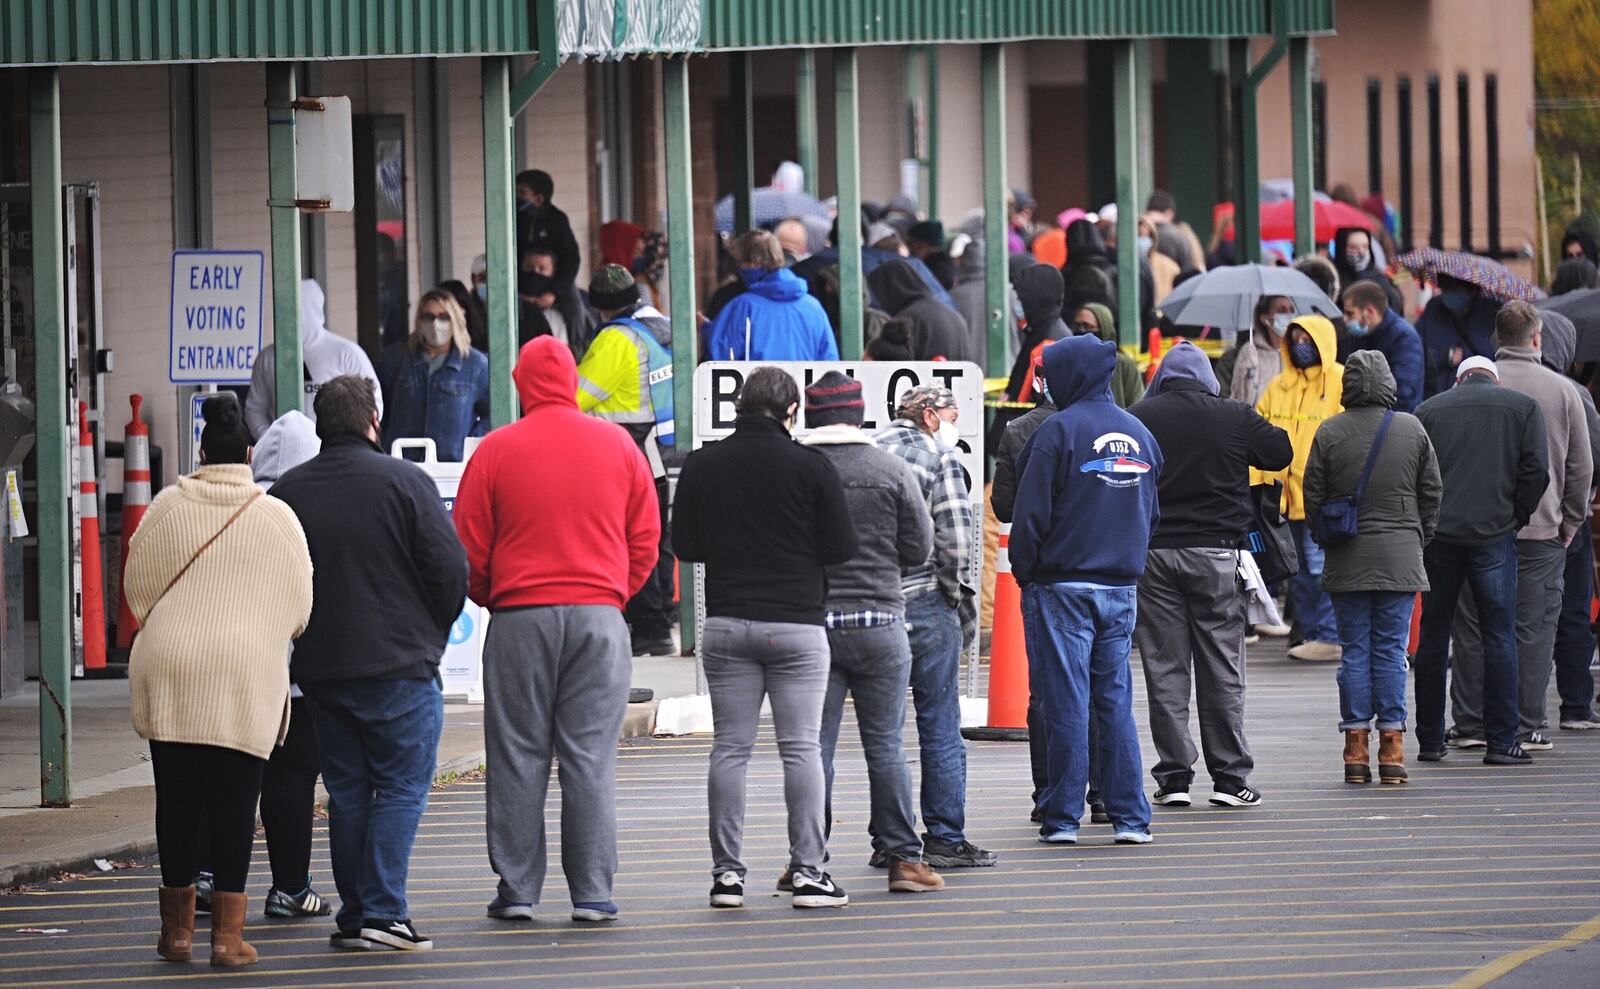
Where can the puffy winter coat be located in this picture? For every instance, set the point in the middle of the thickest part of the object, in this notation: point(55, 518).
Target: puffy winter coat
point(1298, 401)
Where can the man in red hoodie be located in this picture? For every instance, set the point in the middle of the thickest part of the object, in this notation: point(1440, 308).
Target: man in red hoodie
point(558, 515)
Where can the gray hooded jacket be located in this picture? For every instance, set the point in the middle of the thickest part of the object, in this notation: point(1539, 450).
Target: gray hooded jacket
point(1400, 508)
point(1557, 347)
point(1565, 504)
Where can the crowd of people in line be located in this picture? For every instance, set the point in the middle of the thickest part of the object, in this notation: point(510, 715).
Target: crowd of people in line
point(839, 565)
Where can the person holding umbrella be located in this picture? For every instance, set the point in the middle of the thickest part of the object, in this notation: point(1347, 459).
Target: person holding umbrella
point(1459, 322)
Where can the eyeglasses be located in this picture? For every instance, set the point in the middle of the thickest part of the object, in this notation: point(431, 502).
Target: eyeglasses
point(433, 318)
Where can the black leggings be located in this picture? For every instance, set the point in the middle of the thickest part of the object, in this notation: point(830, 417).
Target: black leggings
point(288, 790)
point(216, 784)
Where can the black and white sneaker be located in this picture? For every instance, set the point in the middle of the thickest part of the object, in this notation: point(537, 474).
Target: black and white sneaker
point(1229, 795)
point(349, 941)
point(1172, 795)
point(823, 892)
point(955, 855)
point(394, 934)
point(1456, 740)
point(879, 859)
point(1538, 742)
point(728, 891)
point(1514, 756)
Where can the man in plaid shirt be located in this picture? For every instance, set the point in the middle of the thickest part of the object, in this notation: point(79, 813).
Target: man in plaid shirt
point(941, 618)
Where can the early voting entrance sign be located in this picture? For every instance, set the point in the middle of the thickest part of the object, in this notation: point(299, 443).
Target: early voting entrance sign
point(716, 386)
point(215, 322)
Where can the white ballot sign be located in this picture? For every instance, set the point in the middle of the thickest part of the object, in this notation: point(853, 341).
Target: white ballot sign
point(214, 326)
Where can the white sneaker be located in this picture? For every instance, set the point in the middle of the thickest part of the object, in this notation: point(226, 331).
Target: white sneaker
point(1317, 652)
point(1273, 631)
point(1133, 837)
point(1581, 724)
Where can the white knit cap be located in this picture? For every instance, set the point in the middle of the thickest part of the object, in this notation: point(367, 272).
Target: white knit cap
point(1477, 364)
point(480, 265)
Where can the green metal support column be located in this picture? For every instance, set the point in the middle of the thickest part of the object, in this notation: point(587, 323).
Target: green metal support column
point(931, 196)
point(287, 354)
point(847, 176)
point(54, 512)
point(499, 228)
point(1300, 113)
point(742, 138)
point(680, 251)
point(1144, 115)
point(1125, 138)
point(996, 275)
point(1246, 177)
point(805, 114)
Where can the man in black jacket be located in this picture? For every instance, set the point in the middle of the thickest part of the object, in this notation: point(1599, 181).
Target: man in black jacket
point(766, 516)
point(1493, 459)
point(391, 580)
point(1191, 605)
point(540, 223)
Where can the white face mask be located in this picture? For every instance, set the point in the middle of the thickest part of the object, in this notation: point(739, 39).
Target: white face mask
point(948, 434)
point(436, 332)
point(1281, 321)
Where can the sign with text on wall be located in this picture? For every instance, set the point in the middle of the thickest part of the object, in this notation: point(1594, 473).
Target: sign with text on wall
point(717, 384)
point(217, 305)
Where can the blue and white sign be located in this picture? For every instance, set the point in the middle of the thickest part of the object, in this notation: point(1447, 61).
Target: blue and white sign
point(215, 321)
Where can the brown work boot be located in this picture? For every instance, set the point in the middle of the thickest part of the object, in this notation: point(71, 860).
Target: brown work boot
point(1391, 756)
point(913, 877)
point(1356, 769)
point(177, 923)
point(786, 881)
point(229, 949)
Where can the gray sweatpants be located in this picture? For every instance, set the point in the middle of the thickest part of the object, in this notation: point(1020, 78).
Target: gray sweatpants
point(1541, 577)
point(744, 662)
point(1191, 617)
point(555, 682)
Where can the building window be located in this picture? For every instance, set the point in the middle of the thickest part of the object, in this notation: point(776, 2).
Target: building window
point(1464, 155)
point(1435, 167)
point(1374, 135)
point(1402, 92)
point(1491, 151)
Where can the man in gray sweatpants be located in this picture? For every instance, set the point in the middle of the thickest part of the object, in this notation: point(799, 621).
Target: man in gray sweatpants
point(559, 518)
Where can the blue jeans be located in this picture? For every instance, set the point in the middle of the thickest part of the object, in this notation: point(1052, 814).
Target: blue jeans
point(874, 666)
point(1373, 629)
point(1575, 633)
point(1491, 572)
point(935, 634)
point(1311, 611)
point(379, 741)
point(1080, 636)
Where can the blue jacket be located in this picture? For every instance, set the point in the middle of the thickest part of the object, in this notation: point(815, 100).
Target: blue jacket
point(446, 406)
point(785, 322)
point(1442, 331)
point(1086, 496)
point(1398, 342)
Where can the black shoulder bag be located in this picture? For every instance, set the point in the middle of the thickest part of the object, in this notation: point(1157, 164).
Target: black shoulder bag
point(1338, 522)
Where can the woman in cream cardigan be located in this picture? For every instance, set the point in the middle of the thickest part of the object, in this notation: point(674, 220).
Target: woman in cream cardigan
point(219, 579)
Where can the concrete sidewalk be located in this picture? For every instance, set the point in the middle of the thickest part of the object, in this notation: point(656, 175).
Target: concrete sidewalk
point(113, 801)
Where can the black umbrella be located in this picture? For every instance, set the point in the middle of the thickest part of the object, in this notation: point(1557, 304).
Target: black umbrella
point(1583, 308)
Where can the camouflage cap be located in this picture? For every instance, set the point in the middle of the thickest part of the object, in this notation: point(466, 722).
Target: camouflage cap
point(924, 397)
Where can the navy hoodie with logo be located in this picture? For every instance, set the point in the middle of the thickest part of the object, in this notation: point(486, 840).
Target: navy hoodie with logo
point(1086, 495)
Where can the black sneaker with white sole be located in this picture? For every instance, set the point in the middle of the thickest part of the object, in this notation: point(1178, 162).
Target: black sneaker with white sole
point(1234, 795)
point(349, 941)
point(821, 892)
point(1171, 795)
point(1538, 742)
point(942, 854)
point(399, 934)
point(1514, 756)
point(728, 891)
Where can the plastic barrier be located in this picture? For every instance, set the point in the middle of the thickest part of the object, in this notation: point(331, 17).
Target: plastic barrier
point(461, 666)
point(135, 500)
point(94, 582)
point(1008, 657)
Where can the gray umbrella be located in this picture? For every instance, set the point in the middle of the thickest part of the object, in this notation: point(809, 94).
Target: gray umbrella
point(1583, 309)
point(1226, 297)
point(768, 206)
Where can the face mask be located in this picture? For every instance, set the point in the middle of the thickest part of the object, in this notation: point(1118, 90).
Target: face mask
point(948, 434)
point(1281, 321)
point(1303, 354)
point(482, 291)
point(436, 332)
point(1456, 300)
point(524, 205)
point(1145, 243)
point(1358, 259)
point(532, 283)
point(1356, 327)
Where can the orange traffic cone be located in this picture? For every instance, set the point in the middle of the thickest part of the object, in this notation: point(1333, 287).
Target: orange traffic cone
point(94, 605)
point(135, 499)
point(1008, 657)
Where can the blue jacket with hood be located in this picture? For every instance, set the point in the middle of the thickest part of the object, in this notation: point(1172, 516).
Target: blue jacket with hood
point(1086, 499)
point(785, 322)
point(1399, 343)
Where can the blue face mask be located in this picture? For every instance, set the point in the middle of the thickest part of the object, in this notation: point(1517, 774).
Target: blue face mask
point(483, 291)
point(1303, 354)
point(1145, 243)
point(524, 205)
point(1357, 328)
point(1456, 299)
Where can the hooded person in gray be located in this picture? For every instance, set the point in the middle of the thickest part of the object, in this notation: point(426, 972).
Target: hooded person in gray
point(865, 619)
point(971, 301)
point(1374, 576)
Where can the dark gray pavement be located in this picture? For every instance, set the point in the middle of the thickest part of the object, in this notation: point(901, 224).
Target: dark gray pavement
point(1323, 885)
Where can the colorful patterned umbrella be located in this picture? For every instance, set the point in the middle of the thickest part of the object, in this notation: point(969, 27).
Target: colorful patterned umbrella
point(1495, 280)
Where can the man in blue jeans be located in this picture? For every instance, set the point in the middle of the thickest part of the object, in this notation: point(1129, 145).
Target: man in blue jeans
point(1085, 510)
point(870, 656)
point(941, 617)
point(1493, 461)
point(391, 580)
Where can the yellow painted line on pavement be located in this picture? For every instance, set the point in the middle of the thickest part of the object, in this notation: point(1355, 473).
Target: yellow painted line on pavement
point(1506, 964)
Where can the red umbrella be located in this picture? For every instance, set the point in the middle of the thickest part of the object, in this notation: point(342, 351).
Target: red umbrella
point(1328, 216)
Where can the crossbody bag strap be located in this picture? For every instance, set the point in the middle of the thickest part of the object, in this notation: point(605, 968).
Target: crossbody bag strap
point(205, 546)
point(1372, 456)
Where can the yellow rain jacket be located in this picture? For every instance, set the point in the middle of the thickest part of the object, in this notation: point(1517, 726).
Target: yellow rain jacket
point(1297, 401)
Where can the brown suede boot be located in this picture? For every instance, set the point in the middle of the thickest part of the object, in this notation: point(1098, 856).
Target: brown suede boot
point(1356, 769)
point(229, 949)
point(177, 923)
point(1391, 757)
point(913, 877)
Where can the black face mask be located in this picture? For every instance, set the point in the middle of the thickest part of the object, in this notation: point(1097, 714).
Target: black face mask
point(533, 283)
